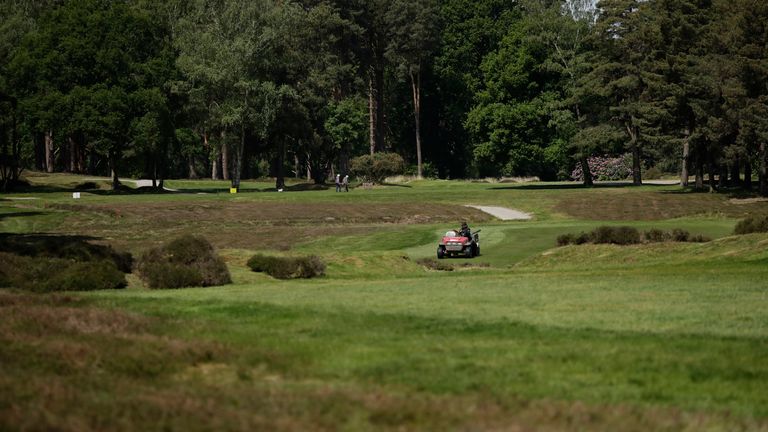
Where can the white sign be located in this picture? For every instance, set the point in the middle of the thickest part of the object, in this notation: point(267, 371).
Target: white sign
point(76, 195)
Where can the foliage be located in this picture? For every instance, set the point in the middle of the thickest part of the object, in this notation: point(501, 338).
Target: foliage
point(752, 224)
point(287, 267)
point(377, 167)
point(625, 235)
point(485, 88)
point(183, 262)
point(606, 168)
point(48, 274)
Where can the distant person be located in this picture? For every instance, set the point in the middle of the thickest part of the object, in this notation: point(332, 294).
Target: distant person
point(345, 182)
point(465, 231)
point(338, 183)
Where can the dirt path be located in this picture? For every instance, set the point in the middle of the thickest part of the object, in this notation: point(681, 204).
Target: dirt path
point(503, 213)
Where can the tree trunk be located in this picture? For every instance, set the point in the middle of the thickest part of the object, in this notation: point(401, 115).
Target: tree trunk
point(416, 87)
point(722, 178)
point(747, 175)
point(72, 154)
point(191, 165)
point(686, 156)
point(711, 174)
point(224, 156)
point(736, 173)
point(634, 145)
point(699, 172)
point(586, 172)
point(371, 115)
point(763, 175)
point(280, 174)
point(237, 169)
point(49, 153)
point(113, 169)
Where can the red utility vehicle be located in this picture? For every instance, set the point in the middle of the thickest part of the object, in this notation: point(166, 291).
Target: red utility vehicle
point(453, 245)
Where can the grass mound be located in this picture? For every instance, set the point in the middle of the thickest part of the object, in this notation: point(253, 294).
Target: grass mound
point(46, 274)
point(625, 235)
point(183, 262)
point(288, 267)
point(752, 224)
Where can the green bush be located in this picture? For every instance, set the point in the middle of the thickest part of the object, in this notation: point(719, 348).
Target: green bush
point(628, 235)
point(183, 262)
point(680, 235)
point(655, 235)
point(566, 239)
point(652, 173)
point(45, 274)
point(376, 167)
point(622, 235)
point(752, 224)
point(287, 267)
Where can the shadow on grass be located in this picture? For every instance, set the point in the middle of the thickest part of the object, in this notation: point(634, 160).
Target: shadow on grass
point(568, 186)
point(75, 247)
point(20, 214)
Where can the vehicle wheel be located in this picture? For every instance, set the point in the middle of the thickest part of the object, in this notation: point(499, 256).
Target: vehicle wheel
point(469, 252)
point(440, 252)
point(477, 250)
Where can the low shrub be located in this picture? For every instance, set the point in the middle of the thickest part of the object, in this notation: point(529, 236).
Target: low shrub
point(183, 262)
point(566, 239)
point(752, 224)
point(655, 235)
point(622, 235)
point(287, 267)
point(652, 173)
point(433, 264)
point(377, 167)
point(680, 235)
point(698, 238)
point(45, 274)
point(625, 235)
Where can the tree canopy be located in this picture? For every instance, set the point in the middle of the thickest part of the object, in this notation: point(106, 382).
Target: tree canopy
point(234, 89)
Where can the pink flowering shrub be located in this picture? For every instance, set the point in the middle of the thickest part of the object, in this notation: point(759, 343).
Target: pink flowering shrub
point(606, 168)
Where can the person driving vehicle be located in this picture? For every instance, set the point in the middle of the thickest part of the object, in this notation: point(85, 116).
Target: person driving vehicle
point(465, 231)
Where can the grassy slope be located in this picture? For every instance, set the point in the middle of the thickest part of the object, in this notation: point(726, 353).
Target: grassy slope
point(633, 333)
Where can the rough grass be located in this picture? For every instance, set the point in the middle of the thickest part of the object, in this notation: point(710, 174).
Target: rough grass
point(106, 368)
point(593, 337)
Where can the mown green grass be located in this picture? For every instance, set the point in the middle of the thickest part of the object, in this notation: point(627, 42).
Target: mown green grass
point(594, 337)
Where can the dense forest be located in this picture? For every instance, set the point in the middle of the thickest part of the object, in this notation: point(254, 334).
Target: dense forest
point(231, 89)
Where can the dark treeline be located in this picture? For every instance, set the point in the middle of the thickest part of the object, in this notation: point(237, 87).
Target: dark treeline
point(231, 89)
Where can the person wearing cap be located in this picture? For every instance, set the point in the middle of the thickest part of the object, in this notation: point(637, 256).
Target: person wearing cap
point(338, 183)
point(465, 231)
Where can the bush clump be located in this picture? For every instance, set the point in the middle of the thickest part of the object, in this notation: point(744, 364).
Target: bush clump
point(287, 267)
point(46, 274)
point(752, 224)
point(625, 235)
point(622, 235)
point(433, 264)
point(184, 262)
point(377, 167)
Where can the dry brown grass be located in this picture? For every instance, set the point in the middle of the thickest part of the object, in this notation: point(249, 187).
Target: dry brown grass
point(248, 225)
point(626, 204)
